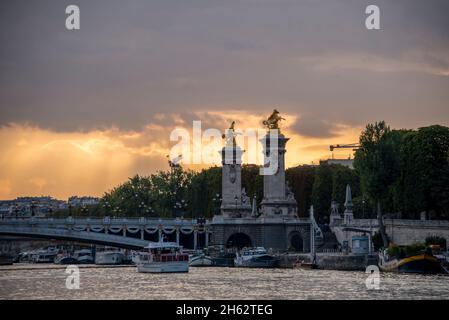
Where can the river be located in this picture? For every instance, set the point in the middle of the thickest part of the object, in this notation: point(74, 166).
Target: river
point(49, 282)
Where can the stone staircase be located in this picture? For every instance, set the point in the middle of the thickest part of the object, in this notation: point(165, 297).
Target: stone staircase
point(328, 242)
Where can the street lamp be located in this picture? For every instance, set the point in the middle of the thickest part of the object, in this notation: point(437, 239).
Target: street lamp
point(106, 207)
point(141, 206)
point(180, 207)
point(16, 210)
point(84, 209)
point(32, 207)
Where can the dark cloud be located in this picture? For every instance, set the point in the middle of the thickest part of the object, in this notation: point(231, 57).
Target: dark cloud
point(311, 126)
point(134, 59)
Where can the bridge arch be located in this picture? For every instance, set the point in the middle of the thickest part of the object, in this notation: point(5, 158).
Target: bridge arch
point(296, 241)
point(239, 240)
point(70, 235)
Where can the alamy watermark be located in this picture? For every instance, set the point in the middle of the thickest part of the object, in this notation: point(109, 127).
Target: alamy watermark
point(72, 282)
point(372, 282)
point(211, 147)
point(72, 21)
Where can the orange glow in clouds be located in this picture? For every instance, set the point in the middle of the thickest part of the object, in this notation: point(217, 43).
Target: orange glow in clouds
point(35, 161)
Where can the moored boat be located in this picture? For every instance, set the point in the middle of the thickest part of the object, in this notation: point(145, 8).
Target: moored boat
point(201, 261)
point(109, 257)
point(225, 259)
point(163, 257)
point(423, 262)
point(47, 255)
point(255, 258)
point(65, 259)
point(84, 256)
point(6, 259)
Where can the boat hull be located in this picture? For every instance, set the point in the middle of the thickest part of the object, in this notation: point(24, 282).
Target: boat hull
point(201, 262)
point(109, 258)
point(262, 262)
point(85, 260)
point(66, 260)
point(163, 267)
point(422, 263)
point(6, 260)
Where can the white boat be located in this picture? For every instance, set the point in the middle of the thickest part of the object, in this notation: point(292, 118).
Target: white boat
point(109, 257)
point(84, 256)
point(163, 257)
point(255, 258)
point(201, 261)
point(47, 255)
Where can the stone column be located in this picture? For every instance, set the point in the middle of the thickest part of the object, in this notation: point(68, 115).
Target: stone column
point(348, 215)
point(142, 233)
point(177, 236)
point(278, 200)
point(234, 203)
point(159, 235)
point(207, 238)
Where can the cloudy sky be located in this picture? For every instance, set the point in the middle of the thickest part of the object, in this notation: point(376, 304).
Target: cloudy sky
point(80, 111)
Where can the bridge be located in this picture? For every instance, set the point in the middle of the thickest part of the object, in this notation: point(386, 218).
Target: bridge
point(129, 233)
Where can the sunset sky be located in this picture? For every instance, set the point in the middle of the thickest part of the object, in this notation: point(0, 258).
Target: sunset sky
point(80, 111)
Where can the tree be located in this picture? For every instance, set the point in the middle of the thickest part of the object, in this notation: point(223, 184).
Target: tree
point(424, 184)
point(378, 166)
point(341, 177)
point(301, 180)
point(322, 192)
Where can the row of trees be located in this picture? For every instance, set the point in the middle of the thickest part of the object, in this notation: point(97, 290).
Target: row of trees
point(396, 171)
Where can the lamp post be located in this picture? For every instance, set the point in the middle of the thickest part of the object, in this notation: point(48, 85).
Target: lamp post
point(216, 200)
point(141, 207)
point(180, 207)
point(106, 206)
point(16, 210)
point(363, 208)
point(32, 208)
point(84, 210)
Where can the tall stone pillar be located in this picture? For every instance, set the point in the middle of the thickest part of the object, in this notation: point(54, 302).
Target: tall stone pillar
point(348, 215)
point(235, 203)
point(278, 200)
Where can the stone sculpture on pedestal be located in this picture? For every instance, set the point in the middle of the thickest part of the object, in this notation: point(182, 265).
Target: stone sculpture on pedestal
point(235, 202)
point(278, 200)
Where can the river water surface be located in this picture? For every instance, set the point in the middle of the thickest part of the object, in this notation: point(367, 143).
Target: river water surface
point(49, 282)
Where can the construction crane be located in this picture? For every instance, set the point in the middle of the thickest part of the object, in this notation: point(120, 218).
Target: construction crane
point(354, 146)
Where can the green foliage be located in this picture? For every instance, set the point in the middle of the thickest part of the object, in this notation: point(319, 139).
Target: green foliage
point(322, 192)
point(252, 181)
point(424, 182)
point(377, 160)
point(301, 180)
point(406, 251)
point(205, 186)
point(436, 240)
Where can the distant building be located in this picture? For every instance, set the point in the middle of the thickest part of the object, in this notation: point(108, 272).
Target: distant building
point(344, 162)
point(28, 206)
point(76, 201)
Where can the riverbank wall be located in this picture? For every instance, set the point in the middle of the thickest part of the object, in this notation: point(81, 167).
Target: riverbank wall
point(331, 261)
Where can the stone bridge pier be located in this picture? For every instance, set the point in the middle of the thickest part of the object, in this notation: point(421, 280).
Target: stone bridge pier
point(276, 233)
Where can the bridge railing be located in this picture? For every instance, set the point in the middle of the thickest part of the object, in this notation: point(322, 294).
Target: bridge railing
point(98, 221)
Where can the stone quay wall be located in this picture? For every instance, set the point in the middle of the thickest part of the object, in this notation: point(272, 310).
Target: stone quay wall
point(400, 231)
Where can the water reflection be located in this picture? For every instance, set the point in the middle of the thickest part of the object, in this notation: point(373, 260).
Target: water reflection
point(47, 282)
